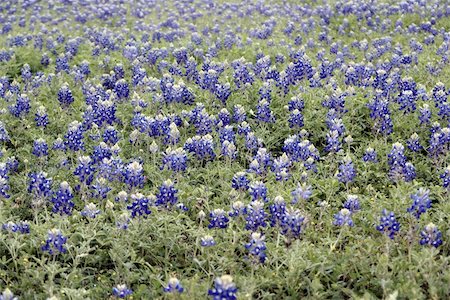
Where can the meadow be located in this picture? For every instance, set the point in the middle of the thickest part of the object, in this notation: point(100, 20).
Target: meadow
point(200, 149)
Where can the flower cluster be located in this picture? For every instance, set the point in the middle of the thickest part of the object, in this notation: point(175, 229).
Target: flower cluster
point(257, 247)
point(21, 227)
point(431, 235)
point(388, 224)
point(140, 207)
point(121, 291)
point(167, 195)
point(421, 202)
point(55, 242)
point(218, 219)
point(224, 289)
point(62, 199)
point(174, 286)
point(400, 169)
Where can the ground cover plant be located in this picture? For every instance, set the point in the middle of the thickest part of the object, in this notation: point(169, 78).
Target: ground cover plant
point(224, 149)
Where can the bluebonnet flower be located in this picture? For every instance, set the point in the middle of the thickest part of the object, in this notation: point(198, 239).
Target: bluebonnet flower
point(140, 206)
point(263, 112)
point(242, 74)
point(100, 188)
point(121, 291)
point(281, 167)
point(438, 140)
point(261, 163)
point(101, 151)
point(399, 167)
point(370, 155)
point(333, 142)
point(45, 60)
point(207, 241)
point(388, 224)
point(173, 135)
point(65, 96)
point(335, 123)
point(123, 221)
point(224, 288)
point(202, 121)
point(201, 146)
point(296, 103)
point(21, 227)
point(8, 295)
point(301, 192)
point(85, 170)
point(446, 178)
point(4, 187)
point(22, 106)
point(352, 203)
point(295, 119)
point(122, 196)
point(55, 242)
point(347, 171)
point(90, 211)
point(122, 89)
point(237, 209)
point(175, 160)
point(229, 150)
point(222, 92)
point(435, 128)
point(174, 286)
point(409, 172)
point(240, 181)
point(4, 136)
point(94, 135)
point(74, 136)
point(292, 223)
point(119, 71)
point(252, 142)
point(379, 111)
point(62, 200)
point(110, 136)
point(300, 150)
point(226, 133)
point(425, 114)
point(258, 190)
point(39, 185)
point(218, 219)
point(431, 236)
point(255, 167)
point(41, 117)
point(40, 148)
point(112, 169)
point(244, 128)
point(407, 101)
point(421, 202)
point(343, 217)
point(239, 114)
point(413, 143)
point(181, 206)
point(167, 195)
point(58, 144)
point(336, 101)
point(134, 175)
point(14, 89)
point(84, 68)
point(257, 247)
point(256, 216)
point(12, 164)
point(103, 112)
point(223, 118)
point(277, 211)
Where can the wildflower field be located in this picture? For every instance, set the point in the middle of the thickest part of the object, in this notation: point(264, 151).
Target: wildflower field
point(200, 149)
